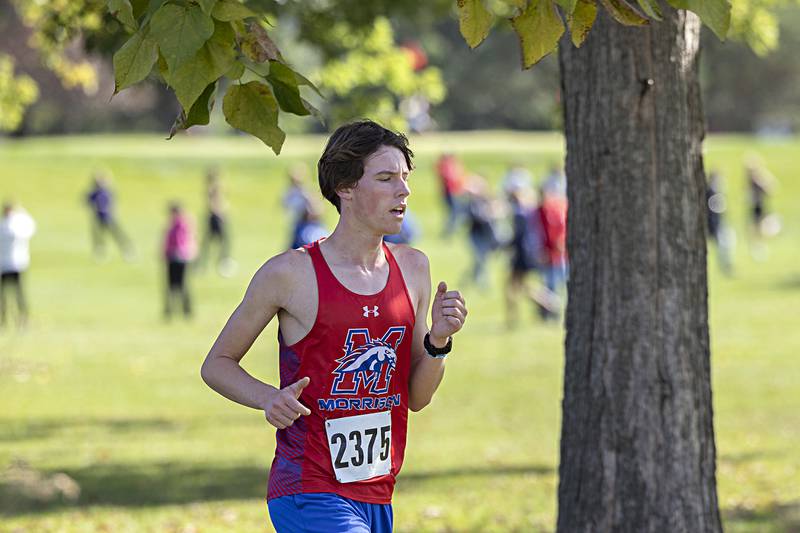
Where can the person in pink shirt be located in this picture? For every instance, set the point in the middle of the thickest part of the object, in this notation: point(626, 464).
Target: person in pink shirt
point(180, 248)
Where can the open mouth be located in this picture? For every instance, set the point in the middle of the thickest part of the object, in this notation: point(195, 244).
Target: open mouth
point(399, 210)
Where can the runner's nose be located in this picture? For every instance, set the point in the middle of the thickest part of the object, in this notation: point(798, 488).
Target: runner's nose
point(404, 190)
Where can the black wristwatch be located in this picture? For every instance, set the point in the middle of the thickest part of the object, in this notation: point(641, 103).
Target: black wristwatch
point(435, 352)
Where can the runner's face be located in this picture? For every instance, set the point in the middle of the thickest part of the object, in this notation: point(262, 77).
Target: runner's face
point(381, 194)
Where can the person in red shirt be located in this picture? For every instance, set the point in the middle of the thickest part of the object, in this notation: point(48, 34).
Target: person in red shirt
point(553, 219)
point(452, 176)
point(356, 352)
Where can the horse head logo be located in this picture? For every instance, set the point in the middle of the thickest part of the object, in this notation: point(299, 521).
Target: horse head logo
point(369, 357)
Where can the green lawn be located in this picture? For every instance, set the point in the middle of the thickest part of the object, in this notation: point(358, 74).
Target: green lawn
point(100, 389)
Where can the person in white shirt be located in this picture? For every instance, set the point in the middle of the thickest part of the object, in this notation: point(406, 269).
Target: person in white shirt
point(16, 229)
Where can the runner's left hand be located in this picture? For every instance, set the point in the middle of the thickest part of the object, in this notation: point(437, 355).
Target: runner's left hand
point(448, 313)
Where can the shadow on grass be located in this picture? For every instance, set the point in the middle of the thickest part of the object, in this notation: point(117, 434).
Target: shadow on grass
point(12, 429)
point(488, 471)
point(16, 430)
point(783, 517)
point(154, 484)
point(747, 457)
point(144, 485)
point(789, 282)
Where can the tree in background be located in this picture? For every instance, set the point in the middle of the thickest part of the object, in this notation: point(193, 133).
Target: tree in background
point(78, 38)
point(17, 92)
point(752, 85)
point(637, 439)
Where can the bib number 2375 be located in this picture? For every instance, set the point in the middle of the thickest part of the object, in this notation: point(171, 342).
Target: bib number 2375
point(360, 446)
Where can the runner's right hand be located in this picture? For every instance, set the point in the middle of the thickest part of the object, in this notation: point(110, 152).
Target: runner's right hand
point(283, 408)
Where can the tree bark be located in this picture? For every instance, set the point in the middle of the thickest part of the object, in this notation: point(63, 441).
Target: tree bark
point(637, 441)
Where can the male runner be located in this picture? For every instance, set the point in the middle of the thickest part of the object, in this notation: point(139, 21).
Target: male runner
point(355, 349)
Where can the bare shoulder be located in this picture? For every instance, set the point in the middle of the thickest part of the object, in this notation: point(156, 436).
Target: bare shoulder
point(283, 273)
point(416, 270)
point(411, 260)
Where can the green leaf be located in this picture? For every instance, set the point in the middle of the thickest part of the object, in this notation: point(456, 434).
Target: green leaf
point(180, 31)
point(161, 64)
point(302, 80)
point(284, 87)
point(256, 44)
point(146, 8)
point(581, 21)
point(236, 71)
point(199, 114)
point(262, 69)
point(716, 14)
point(314, 111)
point(206, 5)
point(474, 21)
point(567, 5)
point(679, 4)
point(253, 109)
point(624, 13)
point(539, 27)
point(122, 10)
point(651, 9)
point(262, 6)
point(216, 57)
point(139, 7)
point(134, 60)
point(228, 10)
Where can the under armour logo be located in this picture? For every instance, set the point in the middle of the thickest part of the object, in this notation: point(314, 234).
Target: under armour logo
point(374, 311)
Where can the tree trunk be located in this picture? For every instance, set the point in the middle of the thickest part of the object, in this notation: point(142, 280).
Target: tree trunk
point(637, 441)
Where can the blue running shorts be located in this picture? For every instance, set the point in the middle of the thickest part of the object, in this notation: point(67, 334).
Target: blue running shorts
point(328, 513)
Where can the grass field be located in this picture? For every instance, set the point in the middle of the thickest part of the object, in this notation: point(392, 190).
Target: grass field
point(98, 388)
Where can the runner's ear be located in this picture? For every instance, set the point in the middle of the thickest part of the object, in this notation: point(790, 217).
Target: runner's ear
point(345, 193)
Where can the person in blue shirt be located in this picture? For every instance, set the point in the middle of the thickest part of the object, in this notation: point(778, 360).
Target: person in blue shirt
point(101, 202)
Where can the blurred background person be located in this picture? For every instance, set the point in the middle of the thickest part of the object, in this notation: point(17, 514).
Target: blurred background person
point(16, 229)
point(517, 181)
point(308, 227)
point(296, 197)
point(180, 248)
point(760, 185)
point(526, 246)
point(483, 213)
point(217, 228)
point(556, 181)
point(553, 217)
point(101, 202)
point(718, 230)
point(452, 178)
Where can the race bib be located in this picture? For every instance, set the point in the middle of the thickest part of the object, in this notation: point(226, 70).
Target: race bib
point(360, 446)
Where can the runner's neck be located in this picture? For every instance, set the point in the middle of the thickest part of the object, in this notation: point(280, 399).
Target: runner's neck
point(355, 249)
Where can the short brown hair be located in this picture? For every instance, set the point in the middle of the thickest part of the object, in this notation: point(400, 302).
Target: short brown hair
point(342, 162)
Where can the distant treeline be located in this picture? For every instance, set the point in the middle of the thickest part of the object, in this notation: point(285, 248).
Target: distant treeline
point(486, 88)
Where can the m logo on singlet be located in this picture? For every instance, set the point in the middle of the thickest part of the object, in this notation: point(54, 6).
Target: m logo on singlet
point(367, 364)
point(371, 312)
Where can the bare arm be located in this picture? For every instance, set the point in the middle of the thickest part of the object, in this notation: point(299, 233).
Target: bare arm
point(221, 369)
point(447, 317)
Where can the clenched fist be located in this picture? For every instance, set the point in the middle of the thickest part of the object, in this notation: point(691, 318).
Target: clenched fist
point(448, 313)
